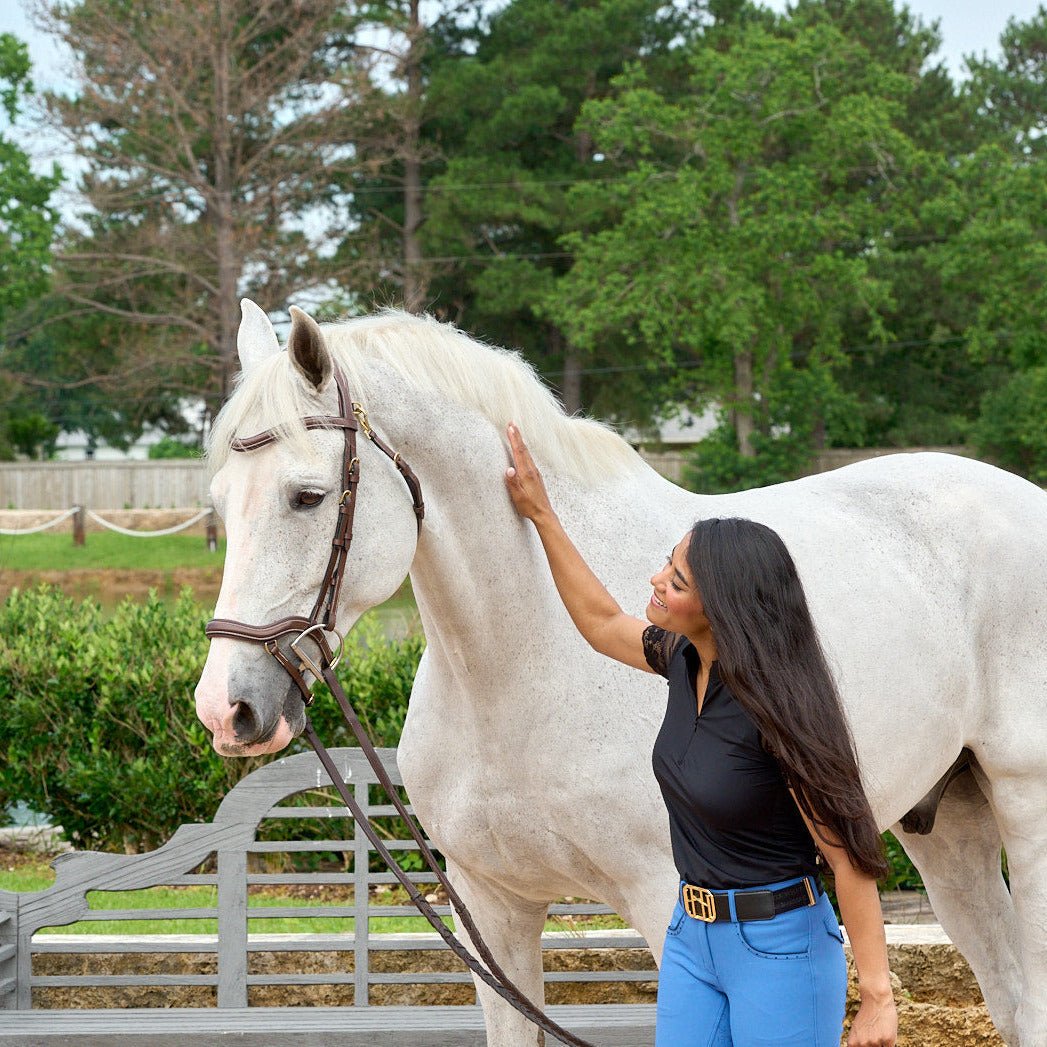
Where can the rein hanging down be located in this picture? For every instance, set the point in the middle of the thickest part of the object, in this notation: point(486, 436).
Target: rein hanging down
point(352, 418)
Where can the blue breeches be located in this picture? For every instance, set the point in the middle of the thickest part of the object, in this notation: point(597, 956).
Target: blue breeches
point(780, 982)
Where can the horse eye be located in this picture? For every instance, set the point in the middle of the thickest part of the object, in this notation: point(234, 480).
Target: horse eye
point(307, 499)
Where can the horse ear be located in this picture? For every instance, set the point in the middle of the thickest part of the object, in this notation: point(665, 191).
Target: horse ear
point(307, 349)
point(256, 339)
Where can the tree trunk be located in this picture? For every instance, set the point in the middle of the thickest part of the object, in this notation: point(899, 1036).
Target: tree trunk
point(742, 413)
point(415, 283)
point(571, 386)
point(222, 211)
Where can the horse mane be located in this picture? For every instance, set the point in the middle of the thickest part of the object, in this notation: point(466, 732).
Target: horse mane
point(434, 358)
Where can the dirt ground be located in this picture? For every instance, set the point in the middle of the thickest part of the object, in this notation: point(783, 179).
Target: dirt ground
point(109, 586)
point(939, 1004)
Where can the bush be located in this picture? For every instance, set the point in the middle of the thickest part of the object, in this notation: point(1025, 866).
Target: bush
point(1012, 426)
point(100, 731)
point(173, 447)
point(784, 442)
point(101, 734)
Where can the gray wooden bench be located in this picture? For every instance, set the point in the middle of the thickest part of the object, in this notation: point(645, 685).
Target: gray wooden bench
point(244, 826)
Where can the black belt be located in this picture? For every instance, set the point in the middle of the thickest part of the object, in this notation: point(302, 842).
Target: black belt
point(713, 906)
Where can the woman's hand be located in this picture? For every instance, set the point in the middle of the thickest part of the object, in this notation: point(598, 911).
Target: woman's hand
point(523, 480)
point(875, 1024)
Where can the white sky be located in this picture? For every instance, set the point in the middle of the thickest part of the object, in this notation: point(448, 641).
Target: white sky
point(967, 27)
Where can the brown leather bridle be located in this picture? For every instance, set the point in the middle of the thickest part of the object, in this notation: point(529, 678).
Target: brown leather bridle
point(322, 620)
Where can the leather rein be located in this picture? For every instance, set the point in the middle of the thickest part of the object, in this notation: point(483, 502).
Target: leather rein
point(351, 419)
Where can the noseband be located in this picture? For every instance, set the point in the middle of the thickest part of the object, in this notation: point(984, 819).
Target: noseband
point(322, 620)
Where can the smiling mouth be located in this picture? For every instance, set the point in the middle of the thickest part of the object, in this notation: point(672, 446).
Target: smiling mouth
point(658, 603)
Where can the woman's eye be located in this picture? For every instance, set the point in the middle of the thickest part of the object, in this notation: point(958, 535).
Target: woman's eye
point(676, 588)
point(307, 499)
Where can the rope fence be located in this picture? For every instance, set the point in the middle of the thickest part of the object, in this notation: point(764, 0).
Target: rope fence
point(149, 534)
point(61, 518)
point(80, 514)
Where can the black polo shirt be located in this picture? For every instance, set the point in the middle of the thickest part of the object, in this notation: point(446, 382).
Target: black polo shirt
point(732, 819)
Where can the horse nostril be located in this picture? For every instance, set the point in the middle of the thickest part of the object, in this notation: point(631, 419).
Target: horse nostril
point(245, 723)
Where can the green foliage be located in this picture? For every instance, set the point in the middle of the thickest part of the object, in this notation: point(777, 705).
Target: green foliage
point(1012, 426)
point(717, 467)
point(793, 414)
point(28, 220)
point(734, 243)
point(504, 115)
point(172, 447)
point(28, 433)
point(100, 731)
point(27, 224)
point(904, 876)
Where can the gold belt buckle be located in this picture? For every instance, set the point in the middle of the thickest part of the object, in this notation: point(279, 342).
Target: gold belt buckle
point(699, 903)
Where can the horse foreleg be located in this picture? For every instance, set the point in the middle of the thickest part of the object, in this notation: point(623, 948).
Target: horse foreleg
point(1020, 803)
point(960, 865)
point(512, 928)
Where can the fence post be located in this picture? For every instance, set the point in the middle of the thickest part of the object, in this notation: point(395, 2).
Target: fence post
point(212, 533)
point(78, 525)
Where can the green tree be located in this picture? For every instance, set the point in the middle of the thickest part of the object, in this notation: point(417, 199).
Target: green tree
point(990, 251)
point(504, 113)
point(735, 242)
point(210, 132)
point(70, 370)
point(1012, 425)
point(27, 224)
point(27, 219)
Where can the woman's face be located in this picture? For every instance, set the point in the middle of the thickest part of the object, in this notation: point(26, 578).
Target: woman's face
point(676, 604)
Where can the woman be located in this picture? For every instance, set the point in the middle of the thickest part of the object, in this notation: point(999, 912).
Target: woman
point(758, 772)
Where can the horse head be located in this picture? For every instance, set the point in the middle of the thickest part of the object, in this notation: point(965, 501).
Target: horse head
point(281, 503)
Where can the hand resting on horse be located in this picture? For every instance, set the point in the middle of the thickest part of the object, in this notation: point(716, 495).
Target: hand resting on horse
point(595, 613)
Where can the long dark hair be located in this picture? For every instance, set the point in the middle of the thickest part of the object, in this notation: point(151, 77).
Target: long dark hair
point(770, 657)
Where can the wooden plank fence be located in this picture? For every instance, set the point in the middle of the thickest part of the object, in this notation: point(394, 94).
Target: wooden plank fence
point(265, 798)
point(179, 483)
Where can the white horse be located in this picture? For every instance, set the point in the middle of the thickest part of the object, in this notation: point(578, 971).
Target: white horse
point(526, 755)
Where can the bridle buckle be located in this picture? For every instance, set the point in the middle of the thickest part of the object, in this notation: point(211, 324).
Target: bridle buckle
point(361, 415)
point(699, 903)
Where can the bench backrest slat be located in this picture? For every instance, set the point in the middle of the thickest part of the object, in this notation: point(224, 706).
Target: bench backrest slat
point(261, 797)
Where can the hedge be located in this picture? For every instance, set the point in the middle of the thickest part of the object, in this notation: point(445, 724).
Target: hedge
point(100, 731)
point(99, 728)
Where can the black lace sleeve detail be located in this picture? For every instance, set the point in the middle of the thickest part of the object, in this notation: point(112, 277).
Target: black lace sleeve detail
point(659, 647)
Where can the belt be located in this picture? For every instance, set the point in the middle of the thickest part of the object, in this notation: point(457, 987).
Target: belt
point(714, 906)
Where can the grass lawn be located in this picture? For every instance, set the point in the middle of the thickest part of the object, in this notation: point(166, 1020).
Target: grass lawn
point(56, 552)
point(35, 875)
point(32, 555)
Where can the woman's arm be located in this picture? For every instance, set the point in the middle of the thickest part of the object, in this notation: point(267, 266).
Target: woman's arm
point(595, 613)
point(876, 1023)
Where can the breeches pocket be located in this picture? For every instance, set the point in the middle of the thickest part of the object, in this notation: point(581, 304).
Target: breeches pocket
point(785, 937)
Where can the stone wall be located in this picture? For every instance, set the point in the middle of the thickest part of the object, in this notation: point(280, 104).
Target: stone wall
point(939, 1002)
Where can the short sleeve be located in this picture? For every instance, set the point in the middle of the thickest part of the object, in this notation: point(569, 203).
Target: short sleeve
point(659, 646)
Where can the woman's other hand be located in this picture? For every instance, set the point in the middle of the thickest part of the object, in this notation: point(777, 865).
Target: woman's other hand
point(523, 480)
point(875, 1024)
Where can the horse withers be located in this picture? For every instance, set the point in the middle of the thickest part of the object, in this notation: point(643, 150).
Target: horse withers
point(527, 755)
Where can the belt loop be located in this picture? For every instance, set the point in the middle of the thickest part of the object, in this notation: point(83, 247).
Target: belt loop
point(731, 905)
point(813, 890)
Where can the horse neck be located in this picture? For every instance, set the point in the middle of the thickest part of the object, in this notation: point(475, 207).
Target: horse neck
point(480, 576)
